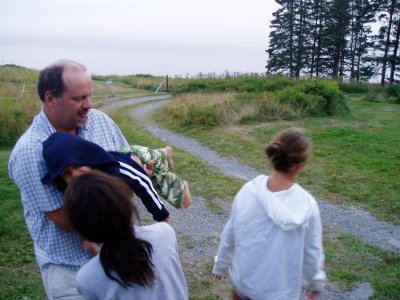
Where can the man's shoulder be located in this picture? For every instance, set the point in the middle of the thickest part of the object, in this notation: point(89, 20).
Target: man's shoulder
point(98, 120)
point(102, 130)
point(98, 114)
point(32, 139)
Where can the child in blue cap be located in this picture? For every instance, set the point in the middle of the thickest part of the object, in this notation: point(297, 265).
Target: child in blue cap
point(68, 156)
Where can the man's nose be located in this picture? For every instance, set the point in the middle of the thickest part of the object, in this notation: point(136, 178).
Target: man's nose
point(88, 103)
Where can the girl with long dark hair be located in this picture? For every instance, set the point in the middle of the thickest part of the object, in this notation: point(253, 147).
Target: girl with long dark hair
point(135, 262)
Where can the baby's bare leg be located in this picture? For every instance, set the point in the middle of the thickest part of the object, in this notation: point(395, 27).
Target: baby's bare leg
point(187, 197)
point(170, 161)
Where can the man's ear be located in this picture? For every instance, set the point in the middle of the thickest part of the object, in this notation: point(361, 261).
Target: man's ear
point(49, 98)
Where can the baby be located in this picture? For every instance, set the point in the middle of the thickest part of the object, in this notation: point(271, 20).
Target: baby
point(169, 186)
point(68, 156)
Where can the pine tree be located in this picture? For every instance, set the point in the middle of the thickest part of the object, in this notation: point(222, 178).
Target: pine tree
point(290, 38)
point(334, 41)
point(389, 14)
point(316, 29)
point(362, 15)
point(323, 38)
point(394, 58)
point(280, 50)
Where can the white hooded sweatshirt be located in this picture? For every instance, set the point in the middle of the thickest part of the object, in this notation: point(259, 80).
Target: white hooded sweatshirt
point(272, 243)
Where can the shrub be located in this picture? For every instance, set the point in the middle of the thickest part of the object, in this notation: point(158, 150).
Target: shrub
point(389, 93)
point(241, 84)
point(306, 98)
point(393, 93)
point(354, 87)
point(371, 97)
point(200, 109)
point(393, 90)
point(277, 83)
point(314, 98)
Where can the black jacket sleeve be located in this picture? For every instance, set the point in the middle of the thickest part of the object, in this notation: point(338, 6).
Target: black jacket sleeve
point(141, 184)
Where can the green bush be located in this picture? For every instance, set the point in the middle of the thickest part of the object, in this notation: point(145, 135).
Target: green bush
point(314, 98)
point(277, 83)
point(393, 90)
point(300, 98)
point(371, 97)
point(243, 84)
point(389, 93)
point(354, 87)
point(393, 93)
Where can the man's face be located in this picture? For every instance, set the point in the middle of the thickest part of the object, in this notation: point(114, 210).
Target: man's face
point(72, 108)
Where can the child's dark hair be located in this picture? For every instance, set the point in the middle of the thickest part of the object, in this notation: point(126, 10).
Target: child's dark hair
point(99, 207)
point(288, 148)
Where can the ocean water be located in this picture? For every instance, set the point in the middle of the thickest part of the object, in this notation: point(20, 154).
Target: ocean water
point(183, 61)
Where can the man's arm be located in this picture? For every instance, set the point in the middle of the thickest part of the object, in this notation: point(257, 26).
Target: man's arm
point(26, 168)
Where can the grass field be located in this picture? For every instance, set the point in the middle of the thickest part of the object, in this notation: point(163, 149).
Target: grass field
point(355, 159)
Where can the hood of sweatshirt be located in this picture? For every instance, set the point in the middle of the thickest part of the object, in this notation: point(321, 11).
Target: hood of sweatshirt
point(62, 150)
point(288, 209)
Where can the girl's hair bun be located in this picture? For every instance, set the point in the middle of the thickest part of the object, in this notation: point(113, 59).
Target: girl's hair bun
point(288, 148)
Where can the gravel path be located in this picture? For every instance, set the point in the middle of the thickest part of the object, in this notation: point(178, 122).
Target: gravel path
point(349, 219)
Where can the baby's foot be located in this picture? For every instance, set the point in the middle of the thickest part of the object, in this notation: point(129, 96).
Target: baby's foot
point(170, 161)
point(187, 197)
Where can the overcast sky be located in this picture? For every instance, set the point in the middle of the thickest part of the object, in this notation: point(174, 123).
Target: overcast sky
point(156, 37)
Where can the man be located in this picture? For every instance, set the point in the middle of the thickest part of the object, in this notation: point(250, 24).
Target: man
point(65, 89)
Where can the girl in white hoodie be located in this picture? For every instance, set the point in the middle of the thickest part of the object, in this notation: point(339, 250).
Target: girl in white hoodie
point(271, 245)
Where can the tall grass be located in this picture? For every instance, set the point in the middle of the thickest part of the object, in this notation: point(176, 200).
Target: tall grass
point(18, 101)
point(303, 98)
point(142, 81)
point(255, 84)
point(17, 75)
point(15, 117)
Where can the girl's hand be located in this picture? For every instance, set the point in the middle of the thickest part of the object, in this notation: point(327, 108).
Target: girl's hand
point(312, 295)
point(218, 277)
point(90, 247)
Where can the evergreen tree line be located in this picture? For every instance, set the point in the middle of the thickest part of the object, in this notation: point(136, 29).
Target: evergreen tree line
point(335, 39)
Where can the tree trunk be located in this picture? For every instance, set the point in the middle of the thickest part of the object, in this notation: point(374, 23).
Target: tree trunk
point(291, 48)
point(387, 43)
point(300, 42)
point(394, 58)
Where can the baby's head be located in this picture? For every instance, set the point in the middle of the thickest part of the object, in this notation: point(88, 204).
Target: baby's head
point(73, 171)
point(67, 156)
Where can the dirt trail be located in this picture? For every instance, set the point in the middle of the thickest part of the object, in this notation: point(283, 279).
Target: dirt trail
point(349, 219)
